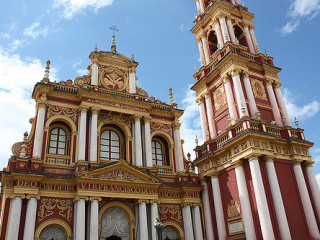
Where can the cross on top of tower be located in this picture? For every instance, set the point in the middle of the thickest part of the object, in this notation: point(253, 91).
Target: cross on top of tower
point(114, 29)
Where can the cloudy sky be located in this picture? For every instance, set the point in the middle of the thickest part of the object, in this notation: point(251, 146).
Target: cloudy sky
point(158, 34)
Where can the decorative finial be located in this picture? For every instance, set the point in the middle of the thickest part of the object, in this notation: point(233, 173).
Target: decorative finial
point(267, 53)
point(114, 47)
point(296, 122)
point(132, 58)
point(96, 48)
point(195, 68)
point(229, 120)
point(197, 141)
point(171, 96)
point(258, 115)
point(47, 71)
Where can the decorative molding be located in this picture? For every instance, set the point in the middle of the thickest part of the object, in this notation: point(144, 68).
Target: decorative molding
point(258, 89)
point(219, 98)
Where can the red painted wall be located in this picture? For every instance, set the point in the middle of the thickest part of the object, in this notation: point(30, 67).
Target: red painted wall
point(22, 218)
point(291, 200)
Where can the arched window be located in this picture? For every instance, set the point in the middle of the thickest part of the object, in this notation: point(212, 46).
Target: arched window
point(58, 141)
point(110, 145)
point(240, 36)
point(157, 153)
point(212, 42)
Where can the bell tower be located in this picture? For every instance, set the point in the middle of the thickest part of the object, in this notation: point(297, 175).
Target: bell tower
point(253, 164)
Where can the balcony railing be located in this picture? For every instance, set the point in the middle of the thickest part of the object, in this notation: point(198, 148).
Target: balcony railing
point(248, 125)
point(58, 160)
point(163, 169)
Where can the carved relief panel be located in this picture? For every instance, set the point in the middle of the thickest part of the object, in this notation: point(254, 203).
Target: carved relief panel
point(114, 78)
point(219, 98)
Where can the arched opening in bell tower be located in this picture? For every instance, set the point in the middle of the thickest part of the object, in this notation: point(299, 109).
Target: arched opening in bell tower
point(212, 42)
point(239, 33)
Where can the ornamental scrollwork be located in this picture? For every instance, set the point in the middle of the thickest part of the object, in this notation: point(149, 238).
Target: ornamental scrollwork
point(105, 117)
point(49, 206)
point(57, 110)
point(233, 209)
point(259, 89)
point(161, 126)
point(170, 212)
point(219, 98)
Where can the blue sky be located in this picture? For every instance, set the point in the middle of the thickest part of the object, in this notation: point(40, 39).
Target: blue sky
point(158, 34)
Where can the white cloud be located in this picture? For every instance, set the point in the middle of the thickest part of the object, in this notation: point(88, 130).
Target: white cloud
point(71, 7)
point(301, 112)
point(301, 9)
point(35, 31)
point(17, 43)
point(76, 64)
point(290, 27)
point(82, 72)
point(182, 27)
point(190, 122)
point(5, 35)
point(17, 78)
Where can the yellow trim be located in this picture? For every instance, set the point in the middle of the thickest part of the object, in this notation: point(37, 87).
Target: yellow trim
point(59, 222)
point(163, 134)
point(62, 118)
point(126, 208)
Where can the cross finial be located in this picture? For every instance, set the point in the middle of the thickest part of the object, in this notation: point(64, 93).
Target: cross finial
point(114, 29)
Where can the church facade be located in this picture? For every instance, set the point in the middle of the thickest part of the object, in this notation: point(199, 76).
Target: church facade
point(104, 160)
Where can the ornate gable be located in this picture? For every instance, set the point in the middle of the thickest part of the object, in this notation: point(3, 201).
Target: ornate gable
point(121, 171)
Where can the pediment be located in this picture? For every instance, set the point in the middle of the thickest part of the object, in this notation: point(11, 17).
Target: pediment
point(121, 171)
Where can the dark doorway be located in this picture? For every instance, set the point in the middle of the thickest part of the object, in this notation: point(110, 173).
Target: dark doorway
point(113, 238)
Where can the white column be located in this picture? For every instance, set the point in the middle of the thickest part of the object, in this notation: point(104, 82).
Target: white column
point(277, 200)
point(38, 136)
point(203, 118)
point(314, 187)
point(274, 104)
point(147, 136)
point(94, 136)
point(197, 223)
point(154, 215)
point(82, 134)
point(14, 221)
point(252, 102)
point(261, 199)
point(249, 40)
point(202, 9)
point(254, 40)
point(178, 147)
point(225, 33)
point(205, 49)
point(245, 203)
point(212, 126)
point(138, 144)
point(218, 32)
point(143, 222)
point(239, 93)
point(218, 208)
point(81, 213)
point(198, 7)
point(132, 81)
point(203, 60)
point(231, 31)
point(95, 72)
point(306, 203)
point(230, 99)
point(187, 222)
point(207, 212)
point(282, 104)
point(30, 221)
point(94, 220)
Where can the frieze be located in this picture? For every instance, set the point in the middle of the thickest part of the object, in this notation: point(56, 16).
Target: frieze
point(161, 126)
point(105, 117)
point(116, 188)
point(117, 174)
point(57, 110)
point(56, 187)
point(117, 105)
point(58, 171)
point(48, 207)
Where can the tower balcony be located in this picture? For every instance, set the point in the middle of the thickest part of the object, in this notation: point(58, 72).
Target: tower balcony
point(230, 48)
point(246, 126)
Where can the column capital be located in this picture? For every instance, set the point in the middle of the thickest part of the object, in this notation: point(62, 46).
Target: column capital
point(186, 205)
point(296, 162)
point(228, 16)
point(132, 70)
point(277, 84)
point(246, 74)
point(238, 163)
point(142, 201)
point(95, 110)
point(252, 157)
point(83, 108)
point(78, 198)
point(269, 82)
point(136, 117)
point(199, 100)
point(268, 158)
point(234, 72)
point(216, 21)
point(309, 164)
point(176, 126)
point(154, 201)
point(246, 25)
point(91, 199)
point(94, 60)
point(225, 78)
point(29, 196)
point(147, 119)
point(214, 175)
point(15, 195)
point(221, 15)
point(207, 94)
point(42, 103)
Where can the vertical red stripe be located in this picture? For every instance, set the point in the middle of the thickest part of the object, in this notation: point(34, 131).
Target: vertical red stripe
point(22, 218)
point(5, 219)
